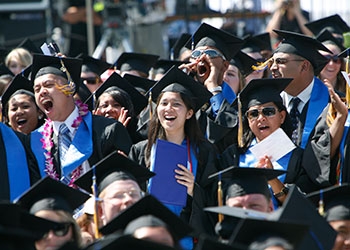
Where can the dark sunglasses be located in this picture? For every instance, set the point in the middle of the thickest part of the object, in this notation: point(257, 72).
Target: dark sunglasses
point(254, 113)
point(212, 53)
point(61, 230)
point(334, 58)
point(91, 80)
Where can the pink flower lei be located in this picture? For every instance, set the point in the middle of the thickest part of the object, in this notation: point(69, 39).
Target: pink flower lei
point(47, 142)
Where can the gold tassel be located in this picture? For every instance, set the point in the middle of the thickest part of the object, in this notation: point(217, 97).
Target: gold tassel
point(150, 104)
point(68, 89)
point(262, 65)
point(347, 88)
point(240, 123)
point(220, 201)
point(321, 204)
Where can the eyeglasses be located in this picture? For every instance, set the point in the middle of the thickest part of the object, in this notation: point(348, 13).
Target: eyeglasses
point(212, 53)
point(280, 61)
point(60, 231)
point(134, 194)
point(334, 58)
point(91, 80)
point(254, 113)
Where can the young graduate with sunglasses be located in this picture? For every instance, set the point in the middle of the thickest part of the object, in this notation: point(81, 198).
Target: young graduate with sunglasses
point(263, 113)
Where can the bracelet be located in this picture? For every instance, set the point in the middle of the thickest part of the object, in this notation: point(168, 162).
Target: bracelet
point(216, 89)
point(284, 191)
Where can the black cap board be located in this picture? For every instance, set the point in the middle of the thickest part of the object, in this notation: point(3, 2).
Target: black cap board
point(112, 168)
point(265, 233)
point(85, 95)
point(326, 37)
point(179, 46)
point(333, 23)
point(54, 65)
point(335, 200)
point(140, 83)
point(345, 53)
point(175, 80)
point(163, 65)
point(260, 91)
point(207, 35)
point(29, 45)
point(237, 212)
point(94, 65)
point(208, 243)
point(17, 83)
point(49, 194)
point(5, 71)
point(136, 216)
point(257, 43)
point(298, 209)
point(304, 46)
point(136, 61)
point(243, 62)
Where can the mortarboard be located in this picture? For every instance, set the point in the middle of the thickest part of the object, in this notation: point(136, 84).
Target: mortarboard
point(345, 53)
point(208, 243)
point(335, 201)
point(257, 43)
point(29, 45)
point(112, 168)
point(333, 23)
point(163, 65)
point(304, 46)
point(265, 233)
point(298, 209)
point(85, 95)
point(94, 65)
point(179, 46)
point(244, 181)
point(137, 216)
point(27, 72)
point(326, 37)
point(49, 194)
point(17, 83)
point(243, 62)
point(175, 80)
point(43, 65)
point(207, 35)
point(5, 71)
point(140, 83)
point(115, 80)
point(126, 242)
point(70, 246)
point(260, 91)
point(136, 61)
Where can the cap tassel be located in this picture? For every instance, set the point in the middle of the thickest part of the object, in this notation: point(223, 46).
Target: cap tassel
point(261, 66)
point(150, 104)
point(70, 87)
point(220, 200)
point(95, 194)
point(321, 204)
point(240, 123)
point(347, 87)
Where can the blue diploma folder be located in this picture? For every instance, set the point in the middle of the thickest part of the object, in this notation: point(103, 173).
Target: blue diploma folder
point(164, 185)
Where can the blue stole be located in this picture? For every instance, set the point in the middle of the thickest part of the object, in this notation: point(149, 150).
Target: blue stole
point(187, 242)
point(79, 151)
point(17, 166)
point(318, 101)
point(341, 148)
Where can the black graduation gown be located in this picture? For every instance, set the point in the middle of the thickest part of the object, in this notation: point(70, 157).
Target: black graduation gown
point(296, 173)
point(221, 130)
point(204, 194)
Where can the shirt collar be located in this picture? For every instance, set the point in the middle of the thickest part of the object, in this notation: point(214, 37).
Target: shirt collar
point(69, 122)
point(304, 96)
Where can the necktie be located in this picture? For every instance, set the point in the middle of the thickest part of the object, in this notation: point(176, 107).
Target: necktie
point(65, 140)
point(294, 115)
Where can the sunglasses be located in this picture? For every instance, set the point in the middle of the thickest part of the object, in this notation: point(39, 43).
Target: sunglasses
point(91, 80)
point(267, 112)
point(60, 231)
point(212, 53)
point(334, 58)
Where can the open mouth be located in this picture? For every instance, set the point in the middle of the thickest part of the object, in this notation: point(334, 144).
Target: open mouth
point(169, 118)
point(47, 105)
point(262, 128)
point(21, 122)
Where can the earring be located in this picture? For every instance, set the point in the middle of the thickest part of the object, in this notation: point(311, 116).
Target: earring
point(40, 116)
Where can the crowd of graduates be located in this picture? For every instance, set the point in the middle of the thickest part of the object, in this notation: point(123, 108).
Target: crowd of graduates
point(230, 144)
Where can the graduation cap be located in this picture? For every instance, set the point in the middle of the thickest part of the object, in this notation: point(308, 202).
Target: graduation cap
point(5, 71)
point(49, 194)
point(163, 65)
point(115, 80)
point(94, 65)
point(112, 168)
point(27, 72)
point(66, 67)
point(140, 83)
point(334, 23)
point(261, 234)
point(244, 63)
point(179, 46)
point(207, 35)
point(143, 213)
point(17, 83)
point(345, 53)
point(335, 202)
point(29, 45)
point(304, 46)
point(175, 80)
point(257, 43)
point(126, 242)
point(86, 96)
point(136, 61)
point(209, 243)
point(326, 37)
point(298, 209)
point(243, 181)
